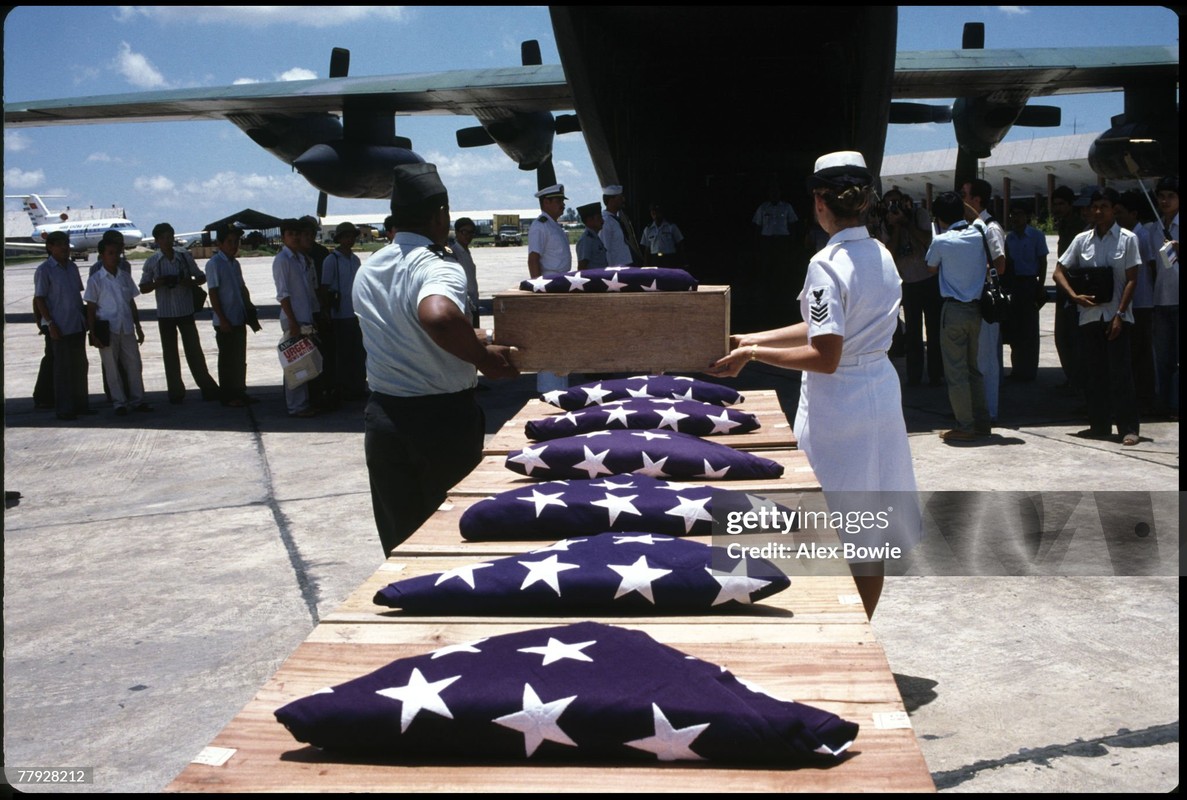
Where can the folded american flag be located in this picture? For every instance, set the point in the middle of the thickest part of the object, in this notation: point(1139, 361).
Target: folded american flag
point(677, 387)
point(613, 279)
point(645, 413)
point(658, 454)
point(581, 691)
point(551, 509)
point(602, 573)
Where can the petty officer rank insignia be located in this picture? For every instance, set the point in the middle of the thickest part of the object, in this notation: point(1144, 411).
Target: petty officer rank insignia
point(542, 218)
point(818, 307)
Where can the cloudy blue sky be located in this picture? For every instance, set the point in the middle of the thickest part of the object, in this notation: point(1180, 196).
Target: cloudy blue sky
point(189, 173)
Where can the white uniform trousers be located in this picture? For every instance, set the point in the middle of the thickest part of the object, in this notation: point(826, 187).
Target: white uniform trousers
point(125, 351)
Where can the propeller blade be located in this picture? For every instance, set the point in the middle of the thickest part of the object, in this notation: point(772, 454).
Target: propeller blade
point(529, 53)
point(1040, 117)
point(545, 175)
point(966, 168)
point(322, 204)
point(973, 36)
point(474, 137)
point(912, 113)
point(567, 123)
point(339, 62)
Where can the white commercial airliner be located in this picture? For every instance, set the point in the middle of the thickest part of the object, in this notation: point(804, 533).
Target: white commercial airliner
point(84, 233)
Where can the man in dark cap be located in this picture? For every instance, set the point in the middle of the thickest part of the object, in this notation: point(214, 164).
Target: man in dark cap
point(424, 430)
point(591, 252)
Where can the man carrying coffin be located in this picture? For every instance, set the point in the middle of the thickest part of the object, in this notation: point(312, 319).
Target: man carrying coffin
point(423, 428)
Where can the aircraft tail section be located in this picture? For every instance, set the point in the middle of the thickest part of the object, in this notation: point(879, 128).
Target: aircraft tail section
point(34, 206)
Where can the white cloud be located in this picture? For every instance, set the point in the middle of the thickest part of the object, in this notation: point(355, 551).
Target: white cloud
point(233, 187)
point(99, 157)
point(240, 81)
point(256, 16)
point(157, 184)
point(19, 179)
point(138, 70)
point(296, 74)
point(1013, 10)
point(15, 141)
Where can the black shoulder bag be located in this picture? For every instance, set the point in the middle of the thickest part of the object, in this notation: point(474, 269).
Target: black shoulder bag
point(995, 303)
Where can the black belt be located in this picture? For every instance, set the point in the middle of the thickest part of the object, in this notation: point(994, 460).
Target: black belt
point(962, 302)
point(424, 399)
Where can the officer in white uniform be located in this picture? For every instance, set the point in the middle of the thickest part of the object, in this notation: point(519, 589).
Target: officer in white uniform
point(591, 253)
point(850, 417)
point(617, 233)
point(548, 243)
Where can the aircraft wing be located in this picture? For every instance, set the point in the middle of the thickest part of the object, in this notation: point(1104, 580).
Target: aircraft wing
point(465, 92)
point(1035, 71)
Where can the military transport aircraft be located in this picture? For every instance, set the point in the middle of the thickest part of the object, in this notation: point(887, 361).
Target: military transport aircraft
point(640, 100)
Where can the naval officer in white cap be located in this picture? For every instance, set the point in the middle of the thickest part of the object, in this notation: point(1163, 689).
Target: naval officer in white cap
point(548, 243)
point(850, 417)
point(617, 233)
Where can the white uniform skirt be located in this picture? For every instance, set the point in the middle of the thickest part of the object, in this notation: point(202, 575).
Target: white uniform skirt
point(850, 425)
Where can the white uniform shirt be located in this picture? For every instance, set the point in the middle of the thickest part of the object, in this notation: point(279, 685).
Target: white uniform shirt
point(402, 359)
point(661, 238)
point(618, 252)
point(1118, 249)
point(112, 295)
point(549, 239)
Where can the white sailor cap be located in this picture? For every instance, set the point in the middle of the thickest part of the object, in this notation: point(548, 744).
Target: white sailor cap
point(611, 191)
point(555, 190)
point(840, 169)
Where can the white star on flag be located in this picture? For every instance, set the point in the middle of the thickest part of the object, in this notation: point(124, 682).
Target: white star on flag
point(569, 417)
point(710, 473)
point(638, 392)
point(538, 722)
point(668, 743)
point(530, 458)
point(637, 577)
point(670, 417)
point(736, 585)
point(468, 647)
point(553, 397)
point(617, 414)
point(617, 505)
point(465, 574)
point(654, 287)
point(613, 284)
point(542, 500)
point(691, 511)
point(556, 650)
point(643, 538)
point(649, 435)
point(722, 424)
point(681, 486)
point(561, 546)
point(682, 378)
point(594, 394)
point(754, 687)
point(576, 282)
point(593, 463)
point(545, 572)
point(654, 469)
point(671, 401)
point(592, 434)
point(419, 695)
point(609, 484)
point(539, 284)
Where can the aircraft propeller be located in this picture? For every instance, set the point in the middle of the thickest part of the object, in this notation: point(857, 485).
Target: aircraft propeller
point(525, 136)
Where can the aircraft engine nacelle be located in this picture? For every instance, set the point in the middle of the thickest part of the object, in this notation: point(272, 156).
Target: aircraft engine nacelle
point(353, 169)
point(525, 136)
point(980, 123)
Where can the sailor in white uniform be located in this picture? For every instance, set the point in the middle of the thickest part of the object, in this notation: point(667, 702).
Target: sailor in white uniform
point(850, 417)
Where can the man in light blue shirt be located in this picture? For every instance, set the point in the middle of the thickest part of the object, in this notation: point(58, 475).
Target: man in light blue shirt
point(959, 256)
point(228, 302)
point(1026, 258)
point(57, 289)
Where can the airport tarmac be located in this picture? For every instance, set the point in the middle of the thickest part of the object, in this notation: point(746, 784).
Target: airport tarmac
point(158, 568)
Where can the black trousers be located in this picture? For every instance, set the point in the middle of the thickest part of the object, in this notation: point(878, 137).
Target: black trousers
point(350, 359)
point(417, 449)
point(921, 306)
point(232, 363)
point(169, 328)
point(70, 373)
point(1068, 342)
point(1024, 327)
point(43, 391)
point(1108, 380)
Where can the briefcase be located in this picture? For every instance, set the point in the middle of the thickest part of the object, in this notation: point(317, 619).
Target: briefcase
point(1096, 282)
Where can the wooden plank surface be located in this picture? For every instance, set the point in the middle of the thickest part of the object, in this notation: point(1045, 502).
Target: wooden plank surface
point(775, 430)
point(851, 680)
point(815, 603)
point(491, 476)
point(614, 332)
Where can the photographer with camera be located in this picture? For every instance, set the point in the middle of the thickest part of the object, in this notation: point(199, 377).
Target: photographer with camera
point(906, 232)
point(173, 274)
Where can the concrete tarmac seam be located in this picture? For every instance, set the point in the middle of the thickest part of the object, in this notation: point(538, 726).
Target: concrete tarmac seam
point(306, 585)
point(1153, 736)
